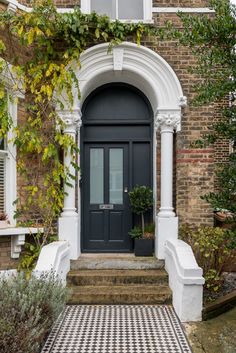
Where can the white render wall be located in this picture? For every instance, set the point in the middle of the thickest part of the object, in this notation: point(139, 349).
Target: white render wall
point(185, 280)
point(8, 274)
point(54, 258)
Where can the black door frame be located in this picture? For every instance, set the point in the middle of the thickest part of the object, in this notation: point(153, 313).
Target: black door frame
point(84, 141)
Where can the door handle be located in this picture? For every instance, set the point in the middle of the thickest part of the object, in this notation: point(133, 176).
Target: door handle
point(126, 189)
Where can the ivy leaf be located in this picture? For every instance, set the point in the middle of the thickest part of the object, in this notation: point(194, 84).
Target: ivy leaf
point(97, 33)
point(20, 31)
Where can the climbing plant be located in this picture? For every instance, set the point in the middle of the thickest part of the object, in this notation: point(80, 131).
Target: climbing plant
point(44, 47)
point(211, 39)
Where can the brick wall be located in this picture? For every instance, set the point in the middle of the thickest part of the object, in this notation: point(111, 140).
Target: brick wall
point(194, 169)
point(6, 263)
point(181, 3)
point(195, 177)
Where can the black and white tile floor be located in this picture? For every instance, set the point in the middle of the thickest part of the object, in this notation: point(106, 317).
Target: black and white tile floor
point(117, 329)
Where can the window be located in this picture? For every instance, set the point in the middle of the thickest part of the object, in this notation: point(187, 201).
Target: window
point(2, 176)
point(138, 10)
point(3, 156)
point(8, 167)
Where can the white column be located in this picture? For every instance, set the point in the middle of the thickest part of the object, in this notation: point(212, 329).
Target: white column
point(69, 220)
point(167, 124)
point(166, 221)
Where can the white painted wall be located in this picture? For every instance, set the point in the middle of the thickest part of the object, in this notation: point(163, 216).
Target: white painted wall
point(7, 274)
point(185, 280)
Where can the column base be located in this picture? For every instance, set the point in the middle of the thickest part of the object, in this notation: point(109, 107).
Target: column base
point(166, 228)
point(69, 212)
point(68, 229)
point(166, 212)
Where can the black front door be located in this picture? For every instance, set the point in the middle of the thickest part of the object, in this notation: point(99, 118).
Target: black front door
point(107, 217)
point(116, 155)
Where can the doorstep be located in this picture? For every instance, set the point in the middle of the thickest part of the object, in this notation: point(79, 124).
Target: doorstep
point(115, 262)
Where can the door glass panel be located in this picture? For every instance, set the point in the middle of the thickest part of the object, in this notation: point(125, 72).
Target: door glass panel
point(104, 7)
point(96, 175)
point(116, 175)
point(130, 9)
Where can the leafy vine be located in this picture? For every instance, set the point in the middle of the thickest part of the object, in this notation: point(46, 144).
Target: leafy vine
point(41, 46)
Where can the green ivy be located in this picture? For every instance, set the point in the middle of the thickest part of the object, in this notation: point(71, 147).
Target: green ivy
point(213, 249)
point(211, 38)
point(50, 45)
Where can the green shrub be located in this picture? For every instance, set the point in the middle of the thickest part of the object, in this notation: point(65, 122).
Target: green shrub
point(28, 309)
point(213, 248)
point(141, 200)
point(136, 233)
point(32, 249)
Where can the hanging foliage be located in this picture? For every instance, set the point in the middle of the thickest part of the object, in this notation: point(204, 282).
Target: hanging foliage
point(42, 45)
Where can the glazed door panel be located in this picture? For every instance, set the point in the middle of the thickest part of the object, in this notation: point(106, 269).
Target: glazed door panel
point(107, 217)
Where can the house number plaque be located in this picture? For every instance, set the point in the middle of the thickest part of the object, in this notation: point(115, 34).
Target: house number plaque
point(106, 207)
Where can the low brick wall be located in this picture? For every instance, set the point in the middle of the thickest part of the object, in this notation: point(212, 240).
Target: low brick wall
point(6, 263)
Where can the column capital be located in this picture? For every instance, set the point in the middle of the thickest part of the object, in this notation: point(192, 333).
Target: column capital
point(168, 121)
point(72, 120)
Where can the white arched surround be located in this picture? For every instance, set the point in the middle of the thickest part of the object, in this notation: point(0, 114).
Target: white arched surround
point(149, 72)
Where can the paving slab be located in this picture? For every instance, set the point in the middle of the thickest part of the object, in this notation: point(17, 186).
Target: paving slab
point(119, 262)
point(117, 329)
point(217, 335)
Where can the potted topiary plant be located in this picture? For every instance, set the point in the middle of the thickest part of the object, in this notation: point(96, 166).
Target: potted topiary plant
point(141, 201)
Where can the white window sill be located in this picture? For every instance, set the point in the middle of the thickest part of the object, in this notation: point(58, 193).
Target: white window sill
point(18, 237)
point(134, 21)
point(10, 230)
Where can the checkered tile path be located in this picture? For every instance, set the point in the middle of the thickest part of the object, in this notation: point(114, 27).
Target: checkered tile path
point(117, 329)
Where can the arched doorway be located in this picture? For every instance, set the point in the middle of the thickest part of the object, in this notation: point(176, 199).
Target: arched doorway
point(116, 154)
point(149, 72)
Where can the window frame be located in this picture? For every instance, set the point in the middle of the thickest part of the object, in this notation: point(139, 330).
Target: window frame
point(10, 152)
point(85, 7)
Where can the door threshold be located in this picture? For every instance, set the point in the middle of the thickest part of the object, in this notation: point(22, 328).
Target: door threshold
point(102, 255)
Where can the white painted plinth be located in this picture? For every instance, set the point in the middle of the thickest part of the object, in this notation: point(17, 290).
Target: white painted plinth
point(54, 258)
point(166, 229)
point(8, 274)
point(185, 280)
point(68, 228)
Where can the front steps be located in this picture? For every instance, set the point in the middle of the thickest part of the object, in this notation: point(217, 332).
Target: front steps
point(118, 280)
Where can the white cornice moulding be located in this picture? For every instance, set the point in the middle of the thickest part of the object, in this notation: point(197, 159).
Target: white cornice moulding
point(13, 5)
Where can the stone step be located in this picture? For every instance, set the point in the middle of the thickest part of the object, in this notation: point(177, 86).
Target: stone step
point(130, 294)
point(114, 262)
point(116, 277)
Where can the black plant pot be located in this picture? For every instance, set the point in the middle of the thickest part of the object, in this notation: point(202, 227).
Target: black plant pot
point(143, 247)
